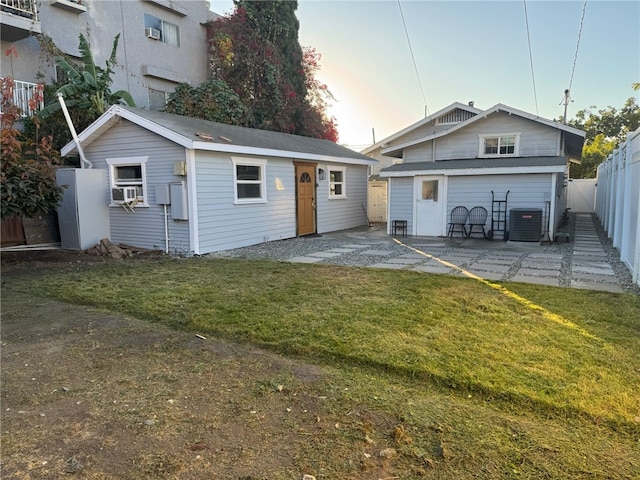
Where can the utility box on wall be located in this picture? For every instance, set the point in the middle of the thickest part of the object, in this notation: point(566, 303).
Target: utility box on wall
point(179, 205)
point(83, 215)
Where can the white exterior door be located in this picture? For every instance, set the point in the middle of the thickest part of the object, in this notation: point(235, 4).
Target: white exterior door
point(430, 199)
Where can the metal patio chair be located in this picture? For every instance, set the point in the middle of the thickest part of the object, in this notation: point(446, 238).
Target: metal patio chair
point(477, 218)
point(459, 217)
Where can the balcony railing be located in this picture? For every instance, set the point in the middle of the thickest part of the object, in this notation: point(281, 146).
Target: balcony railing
point(27, 97)
point(21, 8)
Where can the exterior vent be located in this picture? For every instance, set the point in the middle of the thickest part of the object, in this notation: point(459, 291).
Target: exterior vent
point(124, 194)
point(525, 224)
point(455, 116)
point(152, 33)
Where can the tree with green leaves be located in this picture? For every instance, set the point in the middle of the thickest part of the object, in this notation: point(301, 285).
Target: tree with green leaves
point(86, 91)
point(605, 130)
point(88, 86)
point(213, 100)
point(613, 123)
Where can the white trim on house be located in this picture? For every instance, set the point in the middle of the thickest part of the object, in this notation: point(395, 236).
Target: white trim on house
point(420, 123)
point(481, 116)
point(192, 196)
point(116, 112)
point(343, 183)
point(482, 144)
point(266, 152)
point(476, 171)
point(112, 163)
point(262, 181)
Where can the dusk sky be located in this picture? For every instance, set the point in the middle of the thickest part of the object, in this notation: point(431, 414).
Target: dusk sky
point(466, 51)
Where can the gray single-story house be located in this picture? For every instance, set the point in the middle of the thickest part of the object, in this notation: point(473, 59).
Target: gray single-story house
point(191, 186)
point(502, 159)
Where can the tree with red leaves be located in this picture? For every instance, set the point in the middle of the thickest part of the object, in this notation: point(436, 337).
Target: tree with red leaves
point(256, 52)
point(28, 176)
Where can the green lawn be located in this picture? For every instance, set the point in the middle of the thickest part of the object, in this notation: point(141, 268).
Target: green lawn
point(562, 364)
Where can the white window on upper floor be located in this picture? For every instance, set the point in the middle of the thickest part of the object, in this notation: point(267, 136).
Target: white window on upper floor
point(249, 180)
point(504, 145)
point(126, 175)
point(337, 182)
point(158, 29)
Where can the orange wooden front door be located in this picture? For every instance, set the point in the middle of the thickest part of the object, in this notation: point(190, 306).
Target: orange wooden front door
point(306, 198)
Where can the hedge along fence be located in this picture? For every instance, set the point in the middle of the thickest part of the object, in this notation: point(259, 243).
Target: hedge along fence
point(618, 201)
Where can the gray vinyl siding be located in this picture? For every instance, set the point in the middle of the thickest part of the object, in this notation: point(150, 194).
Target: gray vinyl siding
point(535, 139)
point(419, 153)
point(145, 227)
point(342, 213)
point(401, 200)
point(525, 191)
point(224, 225)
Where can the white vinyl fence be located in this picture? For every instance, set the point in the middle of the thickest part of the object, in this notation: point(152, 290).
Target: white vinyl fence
point(618, 201)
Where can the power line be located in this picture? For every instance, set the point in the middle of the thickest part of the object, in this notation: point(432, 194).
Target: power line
point(413, 58)
point(533, 79)
point(575, 58)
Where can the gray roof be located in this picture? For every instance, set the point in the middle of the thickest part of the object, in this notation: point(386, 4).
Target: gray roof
point(221, 133)
point(471, 163)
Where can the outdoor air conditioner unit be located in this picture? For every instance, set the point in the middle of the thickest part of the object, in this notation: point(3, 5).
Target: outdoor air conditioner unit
point(124, 194)
point(152, 33)
point(525, 224)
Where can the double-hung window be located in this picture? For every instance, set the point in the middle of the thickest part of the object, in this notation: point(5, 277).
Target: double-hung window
point(249, 180)
point(128, 173)
point(337, 182)
point(499, 145)
point(166, 31)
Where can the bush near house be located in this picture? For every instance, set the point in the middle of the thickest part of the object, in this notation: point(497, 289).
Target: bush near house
point(27, 180)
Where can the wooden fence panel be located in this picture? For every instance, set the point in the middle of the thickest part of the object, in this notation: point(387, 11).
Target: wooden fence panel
point(12, 231)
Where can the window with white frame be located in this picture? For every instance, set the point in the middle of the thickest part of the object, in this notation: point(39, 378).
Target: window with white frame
point(128, 172)
point(337, 182)
point(158, 29)
point(499, 145)
point(249, 180)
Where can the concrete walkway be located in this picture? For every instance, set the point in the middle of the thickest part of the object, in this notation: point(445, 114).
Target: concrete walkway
point(585, 263)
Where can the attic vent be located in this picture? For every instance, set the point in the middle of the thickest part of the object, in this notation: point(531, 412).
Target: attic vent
point(525, 224)
point(454, 116)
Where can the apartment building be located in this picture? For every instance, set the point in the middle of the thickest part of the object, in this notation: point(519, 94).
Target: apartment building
point(162, 42)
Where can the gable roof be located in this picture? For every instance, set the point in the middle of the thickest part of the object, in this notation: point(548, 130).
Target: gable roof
point(198, 134)
point(420, 123)
point(574, 137)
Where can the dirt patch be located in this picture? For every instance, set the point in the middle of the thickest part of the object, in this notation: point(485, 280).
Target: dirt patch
point(93, 395)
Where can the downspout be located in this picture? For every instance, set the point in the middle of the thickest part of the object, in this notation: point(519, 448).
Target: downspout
point(166, 230)
point(73, 133)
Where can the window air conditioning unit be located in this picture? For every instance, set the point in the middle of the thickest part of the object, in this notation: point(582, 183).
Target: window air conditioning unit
point(124, 194)
point(152, 33)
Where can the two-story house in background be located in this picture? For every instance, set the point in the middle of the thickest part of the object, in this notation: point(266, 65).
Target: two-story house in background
point(465, 156)
point(162, 43)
